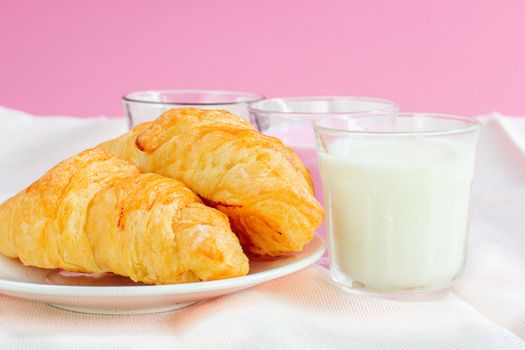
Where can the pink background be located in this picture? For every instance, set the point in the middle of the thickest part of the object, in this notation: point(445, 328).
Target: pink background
point(78, 58)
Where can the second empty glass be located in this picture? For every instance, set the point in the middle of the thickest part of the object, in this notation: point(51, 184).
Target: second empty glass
point(290, 120)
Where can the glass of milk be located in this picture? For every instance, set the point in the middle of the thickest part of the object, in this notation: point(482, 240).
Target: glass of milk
point(397, 189)
point(290, 119)
point(143, 106)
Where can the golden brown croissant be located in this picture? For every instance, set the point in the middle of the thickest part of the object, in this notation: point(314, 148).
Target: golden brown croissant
point(258, 182)
point(96, 213)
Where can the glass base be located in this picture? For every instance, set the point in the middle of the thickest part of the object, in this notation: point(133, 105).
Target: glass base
point(414, 293)
point(409, 296)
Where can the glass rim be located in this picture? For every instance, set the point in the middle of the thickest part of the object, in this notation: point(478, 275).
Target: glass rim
point(471, 124)
point(249, 97)
point(253, 108)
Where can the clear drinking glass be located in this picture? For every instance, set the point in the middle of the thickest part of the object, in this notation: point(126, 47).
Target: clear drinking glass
point(397, 191)
point(145, 106)
point(290, 120)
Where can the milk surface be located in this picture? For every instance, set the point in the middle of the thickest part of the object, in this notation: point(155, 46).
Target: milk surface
point(398, 211)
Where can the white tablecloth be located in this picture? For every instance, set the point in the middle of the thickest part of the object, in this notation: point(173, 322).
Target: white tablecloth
point(304, 311)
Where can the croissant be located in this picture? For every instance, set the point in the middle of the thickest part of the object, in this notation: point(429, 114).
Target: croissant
point(96, 213)
point(260, 184)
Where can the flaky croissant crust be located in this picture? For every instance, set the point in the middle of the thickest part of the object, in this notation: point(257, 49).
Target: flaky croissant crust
point(96, 213)
point(258, 182)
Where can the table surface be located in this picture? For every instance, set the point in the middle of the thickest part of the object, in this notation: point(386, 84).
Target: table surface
point(486, 309)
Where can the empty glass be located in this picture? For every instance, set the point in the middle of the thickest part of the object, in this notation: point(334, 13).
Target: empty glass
point(290, 120)
point(145, 106)
point(397, 192)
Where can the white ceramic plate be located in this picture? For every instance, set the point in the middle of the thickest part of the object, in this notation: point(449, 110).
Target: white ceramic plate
point(110, 294)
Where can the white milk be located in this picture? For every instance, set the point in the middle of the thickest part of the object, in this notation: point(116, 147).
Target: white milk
point(398, 211)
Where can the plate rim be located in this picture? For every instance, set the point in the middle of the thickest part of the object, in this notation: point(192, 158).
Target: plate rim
point(165, 289)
